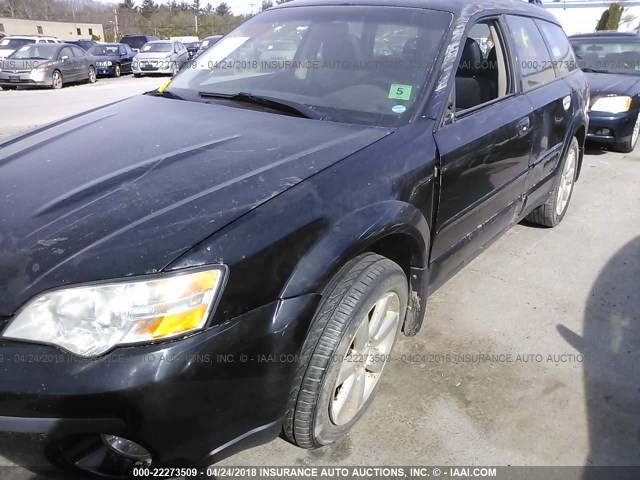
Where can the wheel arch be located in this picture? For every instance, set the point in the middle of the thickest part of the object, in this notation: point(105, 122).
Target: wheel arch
point(393, 229)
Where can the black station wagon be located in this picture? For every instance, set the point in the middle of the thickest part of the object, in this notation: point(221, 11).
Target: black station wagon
point(212, 288)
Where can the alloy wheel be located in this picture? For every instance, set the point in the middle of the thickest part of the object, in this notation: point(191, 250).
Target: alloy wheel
point(365, 359)
point(566, 182)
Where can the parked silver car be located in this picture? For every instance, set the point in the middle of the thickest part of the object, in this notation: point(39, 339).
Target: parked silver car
point(41, 64)
point(161, 56)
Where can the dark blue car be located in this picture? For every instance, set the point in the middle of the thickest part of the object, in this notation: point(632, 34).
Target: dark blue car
point(611, 62)
point(113, 59)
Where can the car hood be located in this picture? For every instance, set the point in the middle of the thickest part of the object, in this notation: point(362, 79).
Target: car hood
point(603, 84)
point(152, 55)
point(125, 189)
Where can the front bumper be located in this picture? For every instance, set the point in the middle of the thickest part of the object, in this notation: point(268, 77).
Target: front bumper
point(105, 70)
point(189, 402)
point(18, 79)
point(611, 127)
point(142, 67)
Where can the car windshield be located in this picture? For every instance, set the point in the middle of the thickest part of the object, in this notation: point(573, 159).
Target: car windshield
point(608, 55)
point(104, 50)
point(15, 43)
point(40, 51)
point(350, 64)
point(157, 47)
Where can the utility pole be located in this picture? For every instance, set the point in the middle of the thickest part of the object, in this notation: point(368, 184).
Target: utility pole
point(196, 24)
point(115, 12)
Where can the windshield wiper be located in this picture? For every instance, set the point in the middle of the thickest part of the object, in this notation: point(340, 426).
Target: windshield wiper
point(593, 70)
point(164, 93)
point(285, 106)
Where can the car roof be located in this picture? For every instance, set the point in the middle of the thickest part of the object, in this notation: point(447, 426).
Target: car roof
point(459, 7)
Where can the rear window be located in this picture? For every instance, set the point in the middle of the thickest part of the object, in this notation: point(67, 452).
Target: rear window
point(15, 43)
point(136, 41)
point(559, 46)
point(534, 62)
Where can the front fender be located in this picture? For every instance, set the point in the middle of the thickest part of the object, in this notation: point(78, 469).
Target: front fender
point(358, 232)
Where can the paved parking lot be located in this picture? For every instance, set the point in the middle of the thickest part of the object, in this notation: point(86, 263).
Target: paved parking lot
point(529, 356)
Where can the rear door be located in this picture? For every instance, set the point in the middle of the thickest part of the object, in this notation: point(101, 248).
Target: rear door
point(484, 145)
point(549, 95)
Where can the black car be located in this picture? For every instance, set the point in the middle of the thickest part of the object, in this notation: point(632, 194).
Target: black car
point(136, 42)
point(611, 61)
point(192, 48)
point(113, 59)
point(83, 44)
point(207, 42)
point(220, 285)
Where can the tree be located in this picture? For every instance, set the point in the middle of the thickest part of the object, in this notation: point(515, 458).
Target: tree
point(610, 19)
point(280, 2)
point(266, 4)
point(148, 8)
point(196, 6)
point(128, 4)
point(223, 9)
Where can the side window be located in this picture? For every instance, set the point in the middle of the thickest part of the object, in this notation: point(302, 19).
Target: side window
point(483, 73)
point(78, 52)
point(65, 52)
point(122, 50)
point(534, 61)
point(561, 51)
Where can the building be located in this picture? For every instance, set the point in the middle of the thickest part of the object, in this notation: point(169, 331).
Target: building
point(62, 30)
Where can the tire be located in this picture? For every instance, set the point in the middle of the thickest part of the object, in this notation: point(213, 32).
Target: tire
point(92, 75)
point(137, 75)
point(317, 412)
point(57, 81)
point(116, 71)
point(551, 213)
point(174, 69)
point(630, 145)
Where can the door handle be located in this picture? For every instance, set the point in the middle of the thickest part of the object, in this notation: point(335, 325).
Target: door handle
point(523, 127)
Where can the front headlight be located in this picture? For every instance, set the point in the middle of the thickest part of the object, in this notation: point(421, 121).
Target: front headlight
point(617, 104)
point(90, 320)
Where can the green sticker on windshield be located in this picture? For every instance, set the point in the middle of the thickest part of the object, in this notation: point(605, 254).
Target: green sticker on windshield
point(400, 92)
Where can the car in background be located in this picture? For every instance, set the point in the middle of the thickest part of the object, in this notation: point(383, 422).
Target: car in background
point(2, 35)
point(136, 42)
point(279, 51)
point(45, 64)
point(192, 48)
point(113, 59)
point(83, 44)
point(207, 42)
point(161, 56)
point(611, 62)
point(10, 44)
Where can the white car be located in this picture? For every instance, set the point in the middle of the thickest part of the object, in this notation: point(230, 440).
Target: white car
point(10, 44)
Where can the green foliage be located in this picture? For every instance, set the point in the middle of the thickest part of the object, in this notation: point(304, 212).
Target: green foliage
point(223, 9)
point(610, 19)
point(266, 4)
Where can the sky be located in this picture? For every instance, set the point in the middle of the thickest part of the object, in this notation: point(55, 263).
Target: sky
point(239, 7)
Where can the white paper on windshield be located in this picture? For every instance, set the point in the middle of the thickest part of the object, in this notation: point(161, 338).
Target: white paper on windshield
point(221, 50)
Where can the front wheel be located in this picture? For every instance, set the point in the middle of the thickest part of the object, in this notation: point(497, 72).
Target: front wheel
point(116, 71)
point(92, 75)
point(346, 350)
point(551, 213)
point(56, 81)
point(630, 145)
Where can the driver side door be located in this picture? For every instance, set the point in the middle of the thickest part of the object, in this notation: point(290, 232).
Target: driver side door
point(68, 65)
point(484, 145)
